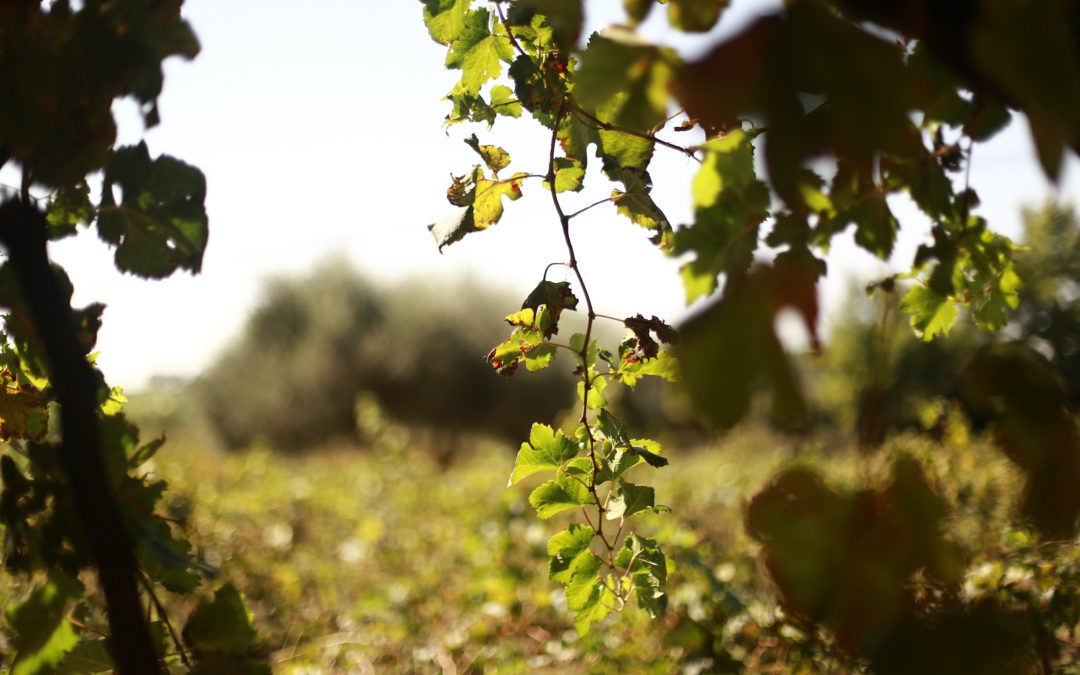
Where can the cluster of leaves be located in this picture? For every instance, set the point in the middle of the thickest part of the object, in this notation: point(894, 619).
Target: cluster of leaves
point(76, 495)
point(850, 102)
point(536, 45)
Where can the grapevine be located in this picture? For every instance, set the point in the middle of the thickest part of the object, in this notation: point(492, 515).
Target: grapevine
point(82, 517)
point(846, 105)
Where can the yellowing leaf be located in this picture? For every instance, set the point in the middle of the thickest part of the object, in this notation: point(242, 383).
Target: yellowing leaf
point(23, 414)
point(495, 157)
point(488, 206)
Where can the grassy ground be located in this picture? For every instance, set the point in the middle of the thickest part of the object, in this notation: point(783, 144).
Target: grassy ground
point(381, 560)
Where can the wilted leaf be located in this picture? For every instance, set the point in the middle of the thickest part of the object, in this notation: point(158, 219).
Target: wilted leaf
point(495, 157)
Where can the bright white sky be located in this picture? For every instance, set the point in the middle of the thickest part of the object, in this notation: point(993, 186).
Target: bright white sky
point(318, 125)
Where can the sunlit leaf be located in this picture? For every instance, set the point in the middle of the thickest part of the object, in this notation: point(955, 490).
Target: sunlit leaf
point(565, 548)
point(618, 65)
point(445, 19)
point(495, 157)
point(546, 450)
point(630, 499)
point(556, 496)
point(477, 52)
point(43, 635)
point(931, 314)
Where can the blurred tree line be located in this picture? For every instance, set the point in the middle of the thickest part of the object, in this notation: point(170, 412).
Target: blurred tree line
point(317, 345)
point(877, 376)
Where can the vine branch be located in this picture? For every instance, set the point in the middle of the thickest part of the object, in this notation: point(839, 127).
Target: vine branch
point(23, 234)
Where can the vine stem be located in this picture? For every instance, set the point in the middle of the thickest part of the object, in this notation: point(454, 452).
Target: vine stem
point(550, 265)
point(610, 318)
point(583, 354)
point(23, 234)
point(148, 586)
point(509, 33)
point(577, 213)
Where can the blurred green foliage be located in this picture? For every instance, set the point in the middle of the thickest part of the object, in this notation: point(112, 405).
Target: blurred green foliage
point(877, 377)
point(316, 344)
point(1048, 317)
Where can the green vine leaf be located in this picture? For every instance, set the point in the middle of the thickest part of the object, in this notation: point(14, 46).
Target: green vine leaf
point(219, 631)
point(730, 204)
point(89, 656)
point(621, 150)
point(534, 89)
point(565, 548)
point(577, 341)
point(563, 18)
point(595, 397)
point(160, 225)
point(649, 451)
point(546, 450)
point(43, 635)
point(586, 594)
point(629, 499)
point(617, 462)
point(648, 568)
point(561, 494)
point(477, 52)
point(445, 19)
point(69, 206)
point(575, 135)
point(503, 101)
point(635, 202)
point(991, 310)
point(613, 429)
point(731, 348)
point(932, 314)
point(569, 174)
point(619, 66)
